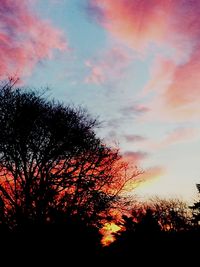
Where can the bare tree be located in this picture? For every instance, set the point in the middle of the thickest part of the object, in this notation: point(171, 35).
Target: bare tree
point(157, 214)
point(51, 161)
point(172, 214)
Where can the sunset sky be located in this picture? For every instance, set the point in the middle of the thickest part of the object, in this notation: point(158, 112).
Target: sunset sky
point(133, 63)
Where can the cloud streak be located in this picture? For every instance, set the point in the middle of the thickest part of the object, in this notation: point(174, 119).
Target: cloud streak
point(25, 38)
point(180, 135)
point(135, 157)
point(134, 110)
point(176, 136)
point(152, 173)
point(109, 66)
point(132, 138)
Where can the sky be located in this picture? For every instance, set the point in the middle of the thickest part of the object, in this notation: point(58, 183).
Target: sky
point(134, 64)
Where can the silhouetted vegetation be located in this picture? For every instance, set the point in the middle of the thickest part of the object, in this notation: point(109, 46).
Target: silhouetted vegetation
point(156, 230)
point(54, 169)
point(196, 210)
point(60, 183)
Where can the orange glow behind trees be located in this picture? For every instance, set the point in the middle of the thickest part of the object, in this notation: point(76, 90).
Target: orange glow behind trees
point(107, 231)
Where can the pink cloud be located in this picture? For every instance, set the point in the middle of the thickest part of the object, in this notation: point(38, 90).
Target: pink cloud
point(137, 22)
point(135, 157)
point(141, 23)
point(185, 87)
point(134, 138)
point(180, 135)
point(176, 89)
point(111, 65)
point(172, 25)
point(25, 38)
point(161, 75)
point(97, 75)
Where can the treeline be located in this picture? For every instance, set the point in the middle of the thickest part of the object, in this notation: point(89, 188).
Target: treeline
point(164, 229)
point(60, 184)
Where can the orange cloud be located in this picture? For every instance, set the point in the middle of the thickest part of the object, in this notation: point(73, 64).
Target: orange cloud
point(25, 38)
point(153, 173)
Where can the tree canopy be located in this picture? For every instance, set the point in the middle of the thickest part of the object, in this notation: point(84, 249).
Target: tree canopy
point(51, 161)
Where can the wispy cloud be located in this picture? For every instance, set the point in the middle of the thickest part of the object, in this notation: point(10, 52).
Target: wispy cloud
point(25, 38)
point(131, 138)
point(176, 136)
point(153, 173)
point(181, 135)
point(134, 110)
point(108, 67)
point(176, 90)
point(135, 157)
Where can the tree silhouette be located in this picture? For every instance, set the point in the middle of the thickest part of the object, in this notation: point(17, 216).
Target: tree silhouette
point(151, 228)
point(196, 210)
point(52, 164)
point(172, 213)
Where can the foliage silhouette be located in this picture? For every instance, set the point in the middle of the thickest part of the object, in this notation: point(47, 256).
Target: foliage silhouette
point(52, 162)
point(196, 210)
point(145, 234)
point(172, 213)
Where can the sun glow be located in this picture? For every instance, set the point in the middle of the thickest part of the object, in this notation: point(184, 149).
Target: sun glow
point(107, 231)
